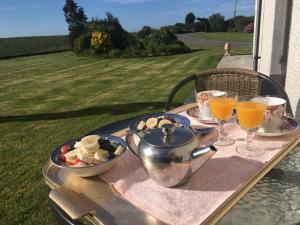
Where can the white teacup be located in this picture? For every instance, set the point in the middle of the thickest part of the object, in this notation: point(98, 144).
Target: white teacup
point(202, 101)
point(276, 110)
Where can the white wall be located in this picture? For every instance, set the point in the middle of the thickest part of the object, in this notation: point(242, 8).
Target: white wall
point(271, 45)
point(293, 66)
point(271, 36)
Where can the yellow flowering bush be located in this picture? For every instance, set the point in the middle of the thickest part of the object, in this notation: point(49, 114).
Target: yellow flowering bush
point(101, 42)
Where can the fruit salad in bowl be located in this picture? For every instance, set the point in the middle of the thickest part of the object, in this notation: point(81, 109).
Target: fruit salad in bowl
point(152, 121)
point(156, 120)
point(89, 156)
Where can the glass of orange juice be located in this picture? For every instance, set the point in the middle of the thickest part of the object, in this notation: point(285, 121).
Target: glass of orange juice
point(222, 109)
point(250, 115)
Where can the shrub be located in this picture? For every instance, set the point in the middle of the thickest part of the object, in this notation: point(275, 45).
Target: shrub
point(96, 25)
point(170, 49)
point(177, 49)
point(249, 28)
point(167, 36)
point(164, 42)
point(107, 38)
point(133, 51)
point(81, 43)
point(134, 41)
point(115, 53)
point(101, 42)
point(145, 32)
point(119, 37)
point(161, 36)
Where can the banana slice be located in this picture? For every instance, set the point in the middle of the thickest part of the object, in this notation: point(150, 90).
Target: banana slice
point(89, 152)
point(71, 155)
point(101, 155)
point(77, 144)
point(119, 150)
point(90, 142)
point(164, 121)
point(151, 122)
point(88, 158)
point(141, 125)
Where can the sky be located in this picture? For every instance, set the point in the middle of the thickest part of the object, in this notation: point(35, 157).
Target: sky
point(45, 17)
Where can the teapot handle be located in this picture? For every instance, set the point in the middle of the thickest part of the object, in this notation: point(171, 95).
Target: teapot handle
point(130, 143)
point(202, 151)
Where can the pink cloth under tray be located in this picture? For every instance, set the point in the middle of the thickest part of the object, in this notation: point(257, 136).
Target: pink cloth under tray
point(222, 176)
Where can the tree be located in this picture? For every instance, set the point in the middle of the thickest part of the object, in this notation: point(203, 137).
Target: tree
point(190, 18)
point(115, 29)
point(145, 31)
point(76, 19)
point(216, 22)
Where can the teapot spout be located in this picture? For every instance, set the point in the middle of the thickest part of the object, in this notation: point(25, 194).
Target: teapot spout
point(200, 156)
point(203, 151)
point(131, 145)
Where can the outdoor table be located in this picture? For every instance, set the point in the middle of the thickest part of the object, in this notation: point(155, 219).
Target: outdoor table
point(279, 186)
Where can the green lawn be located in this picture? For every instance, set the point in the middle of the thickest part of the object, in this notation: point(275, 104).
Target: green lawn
point(234, 51)
point(49, 99)
point(32, 45)
point(224, 36)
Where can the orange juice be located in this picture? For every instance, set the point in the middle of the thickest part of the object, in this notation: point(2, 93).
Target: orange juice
point(222, 108)
point(250, 114)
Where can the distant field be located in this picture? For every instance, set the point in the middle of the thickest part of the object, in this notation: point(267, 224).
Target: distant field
point(224, 36)
point(20, 46)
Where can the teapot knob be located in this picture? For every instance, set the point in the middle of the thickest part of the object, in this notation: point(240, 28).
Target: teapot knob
point(168, 129)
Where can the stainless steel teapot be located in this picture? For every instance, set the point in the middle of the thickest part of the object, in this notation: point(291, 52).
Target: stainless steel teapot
point(170, 155)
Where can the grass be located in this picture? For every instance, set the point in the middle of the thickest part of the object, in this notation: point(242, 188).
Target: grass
point(46, 100)
point(234, 51)
point(10, 47)
point(224, 36)
point(241, 51)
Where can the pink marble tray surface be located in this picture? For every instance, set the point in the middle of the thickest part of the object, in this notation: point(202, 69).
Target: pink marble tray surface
point(222, 176)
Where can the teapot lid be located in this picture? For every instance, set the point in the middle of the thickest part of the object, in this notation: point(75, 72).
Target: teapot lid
point(168, 136)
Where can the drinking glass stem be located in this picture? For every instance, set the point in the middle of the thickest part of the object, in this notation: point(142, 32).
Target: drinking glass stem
point(221, 130)
point(249, 139)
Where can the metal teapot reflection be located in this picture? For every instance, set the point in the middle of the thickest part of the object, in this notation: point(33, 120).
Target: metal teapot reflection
point(170, 155)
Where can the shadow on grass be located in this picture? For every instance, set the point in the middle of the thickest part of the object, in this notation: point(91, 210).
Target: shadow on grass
point(117, 109)
point(88, 53)
point(197, 50)
point(183, 53)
